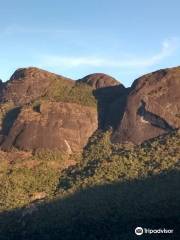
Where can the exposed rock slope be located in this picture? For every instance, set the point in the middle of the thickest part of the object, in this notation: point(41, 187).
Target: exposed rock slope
point(63, 126)
point(41, 112)
point(28, 84)
point(51, 111)
point(99, 80)
point(153, 107)
point(40, 109)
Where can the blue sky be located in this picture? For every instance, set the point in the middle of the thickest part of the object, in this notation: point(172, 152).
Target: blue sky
point(123, 38)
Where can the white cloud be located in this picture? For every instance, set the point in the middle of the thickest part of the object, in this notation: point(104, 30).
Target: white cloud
point(168, 47)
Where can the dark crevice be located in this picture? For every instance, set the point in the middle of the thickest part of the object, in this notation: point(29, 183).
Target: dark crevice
point(152, 118)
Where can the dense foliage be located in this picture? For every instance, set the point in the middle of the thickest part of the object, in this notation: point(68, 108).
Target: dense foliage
point(25, 178)
point(104, 162)
point(112, 190)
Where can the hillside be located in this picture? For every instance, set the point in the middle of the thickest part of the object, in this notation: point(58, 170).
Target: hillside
point(104, 162)
point(111, 191)
point(88, 158)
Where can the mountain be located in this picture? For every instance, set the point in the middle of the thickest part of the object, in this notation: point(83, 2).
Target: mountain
point(152, 108)
point(43, 110)
point(88, 159)
point(46, 111)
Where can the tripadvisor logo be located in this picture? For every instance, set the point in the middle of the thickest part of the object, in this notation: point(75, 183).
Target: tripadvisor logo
point(139, 231)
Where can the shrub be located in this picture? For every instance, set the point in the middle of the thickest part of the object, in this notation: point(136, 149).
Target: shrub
point(65, 92)
point(104, 162)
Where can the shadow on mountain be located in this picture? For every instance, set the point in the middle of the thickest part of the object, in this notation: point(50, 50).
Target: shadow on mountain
point(152, 118)
point(108, 212)
point(9, 119)
point(111, 103)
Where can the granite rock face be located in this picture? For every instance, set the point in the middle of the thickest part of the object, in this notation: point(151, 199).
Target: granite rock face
point(51, 124)
point(152, 108)
point(149, 108)
point(99, 80)
point(63, 126)
point(28, 84)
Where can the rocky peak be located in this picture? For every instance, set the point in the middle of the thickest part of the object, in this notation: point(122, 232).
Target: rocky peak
point(32, 73)
point(99, 80)
point(28, 84)
point(152, 108)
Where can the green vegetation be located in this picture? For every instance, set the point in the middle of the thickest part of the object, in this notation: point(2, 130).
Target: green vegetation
point(68, 92)
point(110, 191)
point(104, 162)
point(50, 155)
point(101, 163)
point(23, 177)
